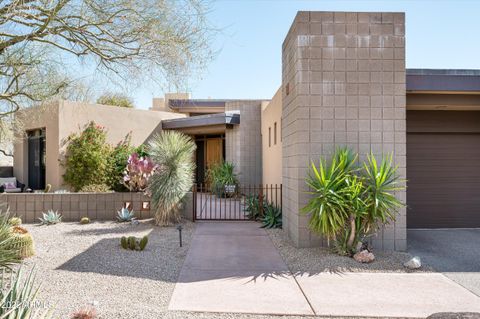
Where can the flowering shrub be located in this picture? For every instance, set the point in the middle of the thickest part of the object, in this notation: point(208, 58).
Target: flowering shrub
point(138, 171)
point(87, 157)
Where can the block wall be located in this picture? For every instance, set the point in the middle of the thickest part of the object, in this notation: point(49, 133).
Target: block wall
point(243, 143)
point(343, 84)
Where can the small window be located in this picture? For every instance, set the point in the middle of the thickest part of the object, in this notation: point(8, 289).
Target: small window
point(269, 136)
point(275, 133)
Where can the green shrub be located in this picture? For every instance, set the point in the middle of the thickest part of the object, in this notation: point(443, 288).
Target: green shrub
point(173, 152)
point(118, 162)
point(272, 217)
point(116, 99)
point(351, 202)
point(87, 158)
point(95, 188)
point(220, 175)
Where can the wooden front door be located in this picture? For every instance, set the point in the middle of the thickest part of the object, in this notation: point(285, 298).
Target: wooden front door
point(214, 151)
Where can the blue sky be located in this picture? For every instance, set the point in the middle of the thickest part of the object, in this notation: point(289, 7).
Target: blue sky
point(439, 34)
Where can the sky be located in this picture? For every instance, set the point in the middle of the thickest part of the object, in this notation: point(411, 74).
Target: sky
point(439, 34)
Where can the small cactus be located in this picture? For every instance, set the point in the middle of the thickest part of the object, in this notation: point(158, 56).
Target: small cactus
point(132, 243)
point(15, 221)
point(85, 220)
point(22, 242)
point(143, 242)
point(124, 242)
point(48, 188)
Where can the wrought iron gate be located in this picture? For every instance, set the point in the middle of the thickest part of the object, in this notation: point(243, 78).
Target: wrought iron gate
point(231, 202)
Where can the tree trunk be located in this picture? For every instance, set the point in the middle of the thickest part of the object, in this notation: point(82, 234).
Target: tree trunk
point(351, 238)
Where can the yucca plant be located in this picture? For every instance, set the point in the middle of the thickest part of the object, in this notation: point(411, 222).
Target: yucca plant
point(50, 218)
point(172, 152)
point(125, 215)
point(381, 183)
point(350, 202)
point(272, 217)
point(329, 205)
point(252, 207)
point(18, 298)
point(9, 254)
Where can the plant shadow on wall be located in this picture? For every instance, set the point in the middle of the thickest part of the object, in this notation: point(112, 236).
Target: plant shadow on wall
point(350, 201)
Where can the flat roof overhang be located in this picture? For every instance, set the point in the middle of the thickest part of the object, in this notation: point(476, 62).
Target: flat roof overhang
point(207, 122)
point(443, 81)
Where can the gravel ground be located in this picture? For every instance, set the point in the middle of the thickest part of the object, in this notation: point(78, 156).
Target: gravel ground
point(315, 260)
point(80, 265)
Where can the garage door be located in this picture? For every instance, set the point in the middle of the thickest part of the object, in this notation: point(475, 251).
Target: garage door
point(443, 170)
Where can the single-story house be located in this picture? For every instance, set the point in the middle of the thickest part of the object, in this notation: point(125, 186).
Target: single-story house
point(344, 83)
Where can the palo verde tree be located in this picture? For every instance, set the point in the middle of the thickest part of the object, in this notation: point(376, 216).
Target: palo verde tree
point(44, 44)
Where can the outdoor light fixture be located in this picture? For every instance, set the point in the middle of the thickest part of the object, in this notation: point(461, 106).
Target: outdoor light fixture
point(179, 228)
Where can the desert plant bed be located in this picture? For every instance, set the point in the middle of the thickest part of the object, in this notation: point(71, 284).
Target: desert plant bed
point(80, 266)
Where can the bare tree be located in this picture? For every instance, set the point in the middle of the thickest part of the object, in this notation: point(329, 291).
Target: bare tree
point(126, 40)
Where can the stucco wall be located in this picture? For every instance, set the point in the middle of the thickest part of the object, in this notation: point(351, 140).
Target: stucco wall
point(272, 153)
point(243, 145)
point(45, 116)
point(63, 118)
point(343, 84)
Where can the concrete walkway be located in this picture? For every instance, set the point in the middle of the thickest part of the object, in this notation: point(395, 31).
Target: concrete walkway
point(234, 267)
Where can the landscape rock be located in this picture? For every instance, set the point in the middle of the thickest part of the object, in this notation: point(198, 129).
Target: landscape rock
point(364, 256)
point(413, 263)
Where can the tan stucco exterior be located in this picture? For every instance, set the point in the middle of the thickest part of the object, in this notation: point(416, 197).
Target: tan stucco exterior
point(62, 118)
point(271, 147)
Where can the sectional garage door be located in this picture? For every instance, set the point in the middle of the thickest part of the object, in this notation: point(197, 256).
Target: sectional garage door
point(443, 169)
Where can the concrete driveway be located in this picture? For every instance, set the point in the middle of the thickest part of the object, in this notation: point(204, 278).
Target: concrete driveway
point(454, 252)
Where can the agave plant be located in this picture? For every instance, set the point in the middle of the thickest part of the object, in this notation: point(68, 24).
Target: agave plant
point(252, 207)
point(272, 217)
point(173, 152)
point(50, 218)
point(125, 215)
point(18, 297)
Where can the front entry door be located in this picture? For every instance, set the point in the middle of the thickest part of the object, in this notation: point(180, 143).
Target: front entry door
point(214, 151)
point(36, 159)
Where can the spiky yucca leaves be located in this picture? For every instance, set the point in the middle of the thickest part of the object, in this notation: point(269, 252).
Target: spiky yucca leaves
point(381, 182)
point(329, 205)
point(18, 298)
point(173, 153)
point(8, 255)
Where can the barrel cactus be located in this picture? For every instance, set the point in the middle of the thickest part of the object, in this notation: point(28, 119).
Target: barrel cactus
point(124, 242)
point(85, 220)
point(22, 241)
point(132, 243)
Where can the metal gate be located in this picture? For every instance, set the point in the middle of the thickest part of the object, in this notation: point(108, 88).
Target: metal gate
point(232, 203)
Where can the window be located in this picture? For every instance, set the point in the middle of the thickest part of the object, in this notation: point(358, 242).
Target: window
point(269, 136)
point(275, 133)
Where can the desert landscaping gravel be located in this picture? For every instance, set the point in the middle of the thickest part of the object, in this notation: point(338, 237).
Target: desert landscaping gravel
point(83, 265)
point(315, 260)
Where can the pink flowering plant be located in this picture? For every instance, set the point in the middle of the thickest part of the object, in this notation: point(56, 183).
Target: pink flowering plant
point(138, 171)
